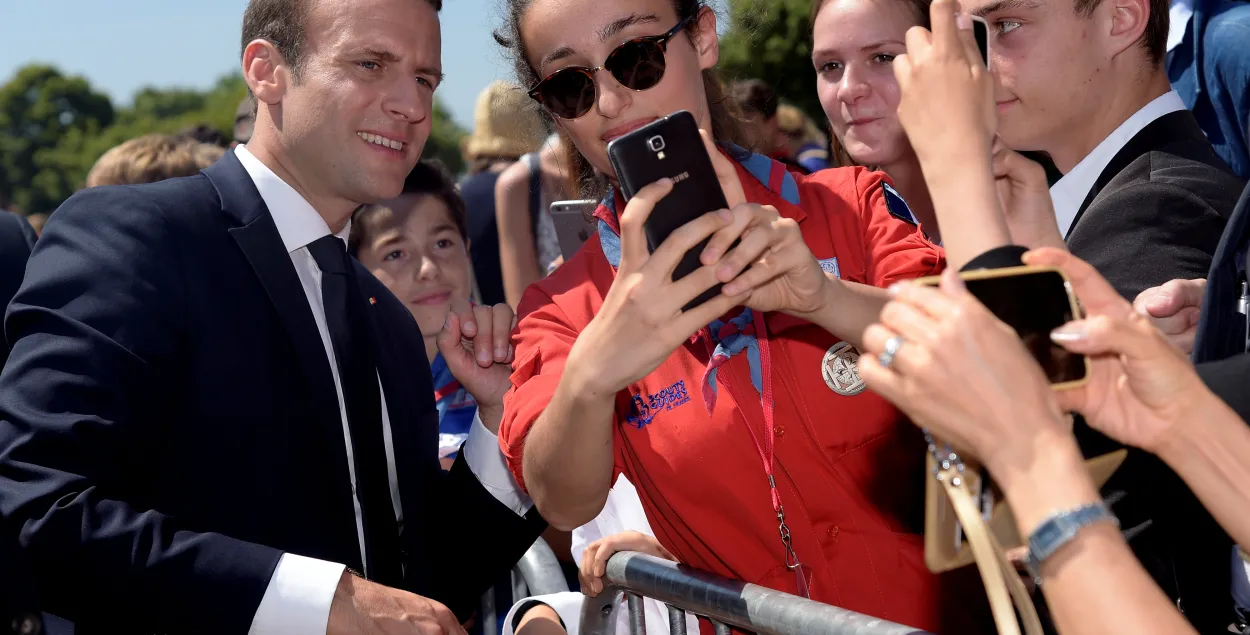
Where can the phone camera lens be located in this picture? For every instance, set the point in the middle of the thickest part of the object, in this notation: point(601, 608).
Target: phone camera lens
point(656, 143)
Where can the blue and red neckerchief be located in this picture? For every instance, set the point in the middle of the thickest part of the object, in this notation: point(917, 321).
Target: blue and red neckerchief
point(745, 332)
point(456, 408)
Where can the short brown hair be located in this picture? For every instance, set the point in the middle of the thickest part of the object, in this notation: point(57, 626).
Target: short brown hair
point(755, 98)
point(427, 178)
point(1154, 39)
point(152, 158)
point(282, 23)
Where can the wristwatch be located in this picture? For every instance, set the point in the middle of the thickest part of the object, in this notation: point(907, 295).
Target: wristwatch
point(1059, 529)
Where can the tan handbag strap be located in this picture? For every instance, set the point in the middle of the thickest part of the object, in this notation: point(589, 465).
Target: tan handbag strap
point(1002, 584)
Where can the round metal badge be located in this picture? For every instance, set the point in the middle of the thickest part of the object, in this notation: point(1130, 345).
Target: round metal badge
point(840, 368)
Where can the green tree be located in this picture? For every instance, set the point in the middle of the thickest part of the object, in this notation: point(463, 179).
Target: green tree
point(39, 108)
point(444, 142)
point(772, 40)
point(154, 111)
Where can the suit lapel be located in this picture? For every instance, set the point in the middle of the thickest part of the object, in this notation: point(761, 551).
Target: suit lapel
point(1174, 126)
point(258, 238)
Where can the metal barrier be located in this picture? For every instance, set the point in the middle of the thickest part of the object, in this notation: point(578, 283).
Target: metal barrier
point(725, 602)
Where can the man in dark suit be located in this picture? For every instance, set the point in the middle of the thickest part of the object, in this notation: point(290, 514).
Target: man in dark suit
point(16, 595)
point(16, 240)
point(1207, 317)
point(213, 417)
point(1143, 198)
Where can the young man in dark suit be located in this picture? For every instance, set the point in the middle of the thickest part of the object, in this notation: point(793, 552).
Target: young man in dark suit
point(1143, 198)
point(213, 419)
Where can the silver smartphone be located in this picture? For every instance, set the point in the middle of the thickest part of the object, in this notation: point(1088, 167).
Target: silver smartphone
point(575, 223)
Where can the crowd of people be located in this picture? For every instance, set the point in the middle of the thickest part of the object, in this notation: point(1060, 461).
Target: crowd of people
point(303, 381)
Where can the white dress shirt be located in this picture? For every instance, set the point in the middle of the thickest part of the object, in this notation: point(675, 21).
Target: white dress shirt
point(298, 598)
point(1070, 191)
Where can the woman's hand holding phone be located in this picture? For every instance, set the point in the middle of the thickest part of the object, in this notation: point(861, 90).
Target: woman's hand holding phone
point(1140, 386)
point(771, 263)
point(641, 321)
point(961, 372)
point(947, 94)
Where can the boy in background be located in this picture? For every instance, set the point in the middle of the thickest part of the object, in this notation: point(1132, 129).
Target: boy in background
point(417, 246)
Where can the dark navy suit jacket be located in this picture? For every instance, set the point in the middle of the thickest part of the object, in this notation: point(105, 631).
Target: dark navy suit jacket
point(169, 424)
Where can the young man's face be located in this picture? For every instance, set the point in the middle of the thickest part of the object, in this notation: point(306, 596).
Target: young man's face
point(418, 253)
point(1046, 60)
point(359, 115)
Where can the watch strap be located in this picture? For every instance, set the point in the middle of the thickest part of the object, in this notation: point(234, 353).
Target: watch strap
point(1061, 528)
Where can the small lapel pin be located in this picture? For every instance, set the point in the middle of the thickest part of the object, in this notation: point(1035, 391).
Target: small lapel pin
point(373, 300)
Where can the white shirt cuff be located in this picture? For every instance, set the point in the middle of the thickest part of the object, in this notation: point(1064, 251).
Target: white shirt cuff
point(298, 599)
point(486, 462)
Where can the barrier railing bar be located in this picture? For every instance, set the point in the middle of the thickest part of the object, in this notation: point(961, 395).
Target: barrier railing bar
point(676, 621)
point(730, 602)
point(637, 617)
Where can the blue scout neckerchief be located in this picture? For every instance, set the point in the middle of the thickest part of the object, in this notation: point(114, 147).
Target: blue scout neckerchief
point(456, 408)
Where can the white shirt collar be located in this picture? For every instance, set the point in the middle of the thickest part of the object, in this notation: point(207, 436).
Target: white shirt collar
point(1068, 194)
point(298, 222)
point(1178, 21)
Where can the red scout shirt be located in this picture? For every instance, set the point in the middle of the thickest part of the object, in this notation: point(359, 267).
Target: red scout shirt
point(849, 467)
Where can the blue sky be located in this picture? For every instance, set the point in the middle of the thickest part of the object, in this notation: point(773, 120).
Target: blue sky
point(122, 45)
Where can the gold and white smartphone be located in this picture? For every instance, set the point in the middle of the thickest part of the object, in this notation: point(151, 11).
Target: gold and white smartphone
point(1034, 301)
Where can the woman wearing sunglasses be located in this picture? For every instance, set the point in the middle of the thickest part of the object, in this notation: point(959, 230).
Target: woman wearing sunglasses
point(743, 422)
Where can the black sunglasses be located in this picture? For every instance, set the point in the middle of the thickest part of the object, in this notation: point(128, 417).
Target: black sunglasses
point(637, 64)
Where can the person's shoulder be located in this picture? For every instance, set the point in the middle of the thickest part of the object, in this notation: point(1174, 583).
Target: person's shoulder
point(513, 177)
point(851, 182)
point(574, 286)
point(1229, 27)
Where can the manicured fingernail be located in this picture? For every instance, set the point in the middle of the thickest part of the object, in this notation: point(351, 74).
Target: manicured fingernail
point(501, 352)
point(1070, 332)
point(447, 321)
point(963, 22)
point(483, 356)
point(725, 273)
point(726, 215)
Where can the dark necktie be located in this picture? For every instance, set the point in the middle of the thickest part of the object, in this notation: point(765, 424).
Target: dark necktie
point(352, 337)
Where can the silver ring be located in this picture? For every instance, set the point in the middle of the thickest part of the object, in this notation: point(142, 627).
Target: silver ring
point(891, 349)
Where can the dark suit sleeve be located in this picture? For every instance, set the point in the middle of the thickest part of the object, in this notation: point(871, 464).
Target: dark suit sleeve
point(1227, 379)
point(998, 258)
point(96, 355)
point(489, 539)
point(1148, 233)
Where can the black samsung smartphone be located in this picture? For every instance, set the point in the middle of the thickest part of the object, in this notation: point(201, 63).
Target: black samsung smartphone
point(670, 147)
point(981, 31)
point(1034, 301)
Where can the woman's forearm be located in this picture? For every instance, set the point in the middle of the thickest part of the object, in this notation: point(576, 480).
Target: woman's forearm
point(1093, 584)
point(967, 207)
point(848, 309)
point(1211, 452)
point(568, 455)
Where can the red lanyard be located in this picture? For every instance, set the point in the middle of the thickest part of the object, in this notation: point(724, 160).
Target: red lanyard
point(767, 404)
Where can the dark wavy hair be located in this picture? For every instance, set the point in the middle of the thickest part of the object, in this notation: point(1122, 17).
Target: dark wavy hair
point(726, 121)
